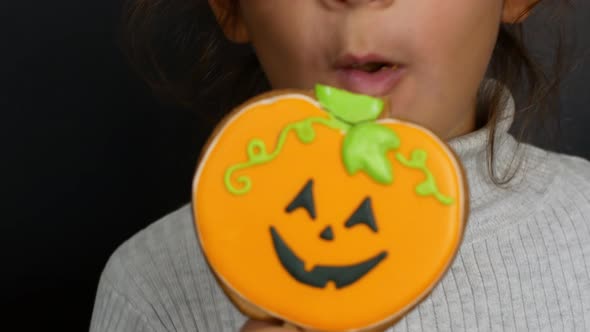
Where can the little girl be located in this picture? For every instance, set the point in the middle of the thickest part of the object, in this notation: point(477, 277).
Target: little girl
point(524, 263)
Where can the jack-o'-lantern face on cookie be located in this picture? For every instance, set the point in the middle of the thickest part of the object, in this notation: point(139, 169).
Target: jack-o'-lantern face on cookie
point(319, 276)
point(324, 216)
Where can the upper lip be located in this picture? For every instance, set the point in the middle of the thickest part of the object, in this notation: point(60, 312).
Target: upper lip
point(351, 60)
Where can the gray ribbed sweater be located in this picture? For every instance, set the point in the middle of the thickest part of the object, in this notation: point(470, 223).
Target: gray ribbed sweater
point(524, 263)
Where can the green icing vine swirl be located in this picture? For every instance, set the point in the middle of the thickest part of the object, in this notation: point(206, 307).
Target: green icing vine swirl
point(428, 187)
point(258, 153)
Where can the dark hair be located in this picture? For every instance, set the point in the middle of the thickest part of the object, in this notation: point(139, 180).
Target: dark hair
point(180, 51)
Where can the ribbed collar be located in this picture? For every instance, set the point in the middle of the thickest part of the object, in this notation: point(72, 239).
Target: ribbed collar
point(494, 205)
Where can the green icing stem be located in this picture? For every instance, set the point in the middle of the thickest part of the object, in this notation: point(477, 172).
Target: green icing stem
point(428, 187)
point(258, 154)
point(347, 106)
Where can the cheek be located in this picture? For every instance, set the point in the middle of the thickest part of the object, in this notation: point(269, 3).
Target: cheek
point(452, 47)
point(457, 37)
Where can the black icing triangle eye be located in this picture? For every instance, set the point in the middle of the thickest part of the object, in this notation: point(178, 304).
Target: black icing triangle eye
point(304, 200)
point(363, 215)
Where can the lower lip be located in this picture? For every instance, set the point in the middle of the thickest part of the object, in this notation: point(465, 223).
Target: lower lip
point(379, 83)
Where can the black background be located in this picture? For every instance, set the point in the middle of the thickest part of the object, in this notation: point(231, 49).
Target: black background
point(89, 156)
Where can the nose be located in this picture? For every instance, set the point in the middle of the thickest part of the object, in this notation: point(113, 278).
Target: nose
point(356, 3)
point(327, 234)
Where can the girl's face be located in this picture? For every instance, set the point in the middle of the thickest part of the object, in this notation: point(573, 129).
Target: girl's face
point(427, 57)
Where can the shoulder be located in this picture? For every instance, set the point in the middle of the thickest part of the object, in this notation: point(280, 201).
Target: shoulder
point(161, 244)
point(554, 167)
point(575, 168)
point(568, 179)
point(162, 274)
point(572, 173)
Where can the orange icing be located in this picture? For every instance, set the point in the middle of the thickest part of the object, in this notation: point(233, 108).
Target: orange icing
point(420, 235)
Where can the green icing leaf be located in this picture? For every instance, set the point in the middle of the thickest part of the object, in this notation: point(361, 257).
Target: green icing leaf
point(365, 148)
point(304, 131)
point(426, 188)
point(347, 106)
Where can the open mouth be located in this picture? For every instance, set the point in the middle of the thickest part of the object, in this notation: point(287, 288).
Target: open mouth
point(369, 63)
point(373, 67)
point(320, 275)
point(369, 74)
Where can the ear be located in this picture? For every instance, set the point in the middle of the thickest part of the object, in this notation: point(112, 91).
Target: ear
point(230, 21)
point(516, 11)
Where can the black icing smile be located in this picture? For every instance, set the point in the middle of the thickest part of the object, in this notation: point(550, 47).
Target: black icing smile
point(322, 274)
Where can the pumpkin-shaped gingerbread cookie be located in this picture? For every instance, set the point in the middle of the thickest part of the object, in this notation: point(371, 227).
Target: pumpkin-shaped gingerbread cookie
point(311, 210)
